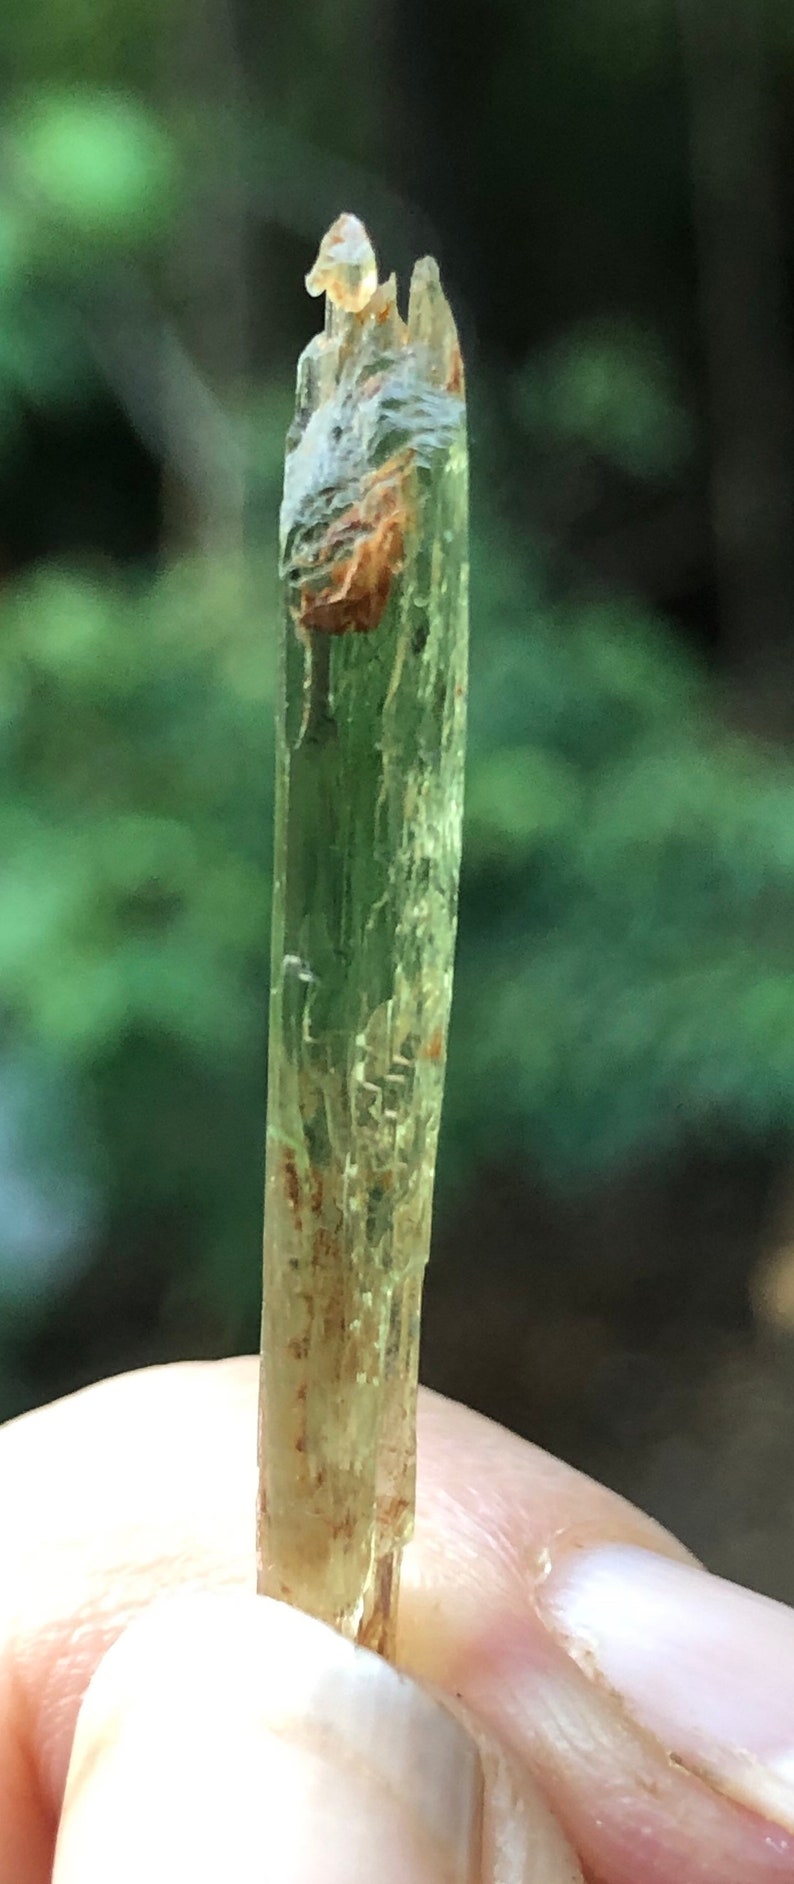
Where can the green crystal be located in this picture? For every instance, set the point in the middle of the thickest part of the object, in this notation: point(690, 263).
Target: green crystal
point(370, 755)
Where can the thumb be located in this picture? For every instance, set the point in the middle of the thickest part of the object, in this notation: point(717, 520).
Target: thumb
point(226, 1736)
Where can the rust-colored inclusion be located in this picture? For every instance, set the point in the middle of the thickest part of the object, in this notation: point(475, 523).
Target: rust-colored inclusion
point(360, 556)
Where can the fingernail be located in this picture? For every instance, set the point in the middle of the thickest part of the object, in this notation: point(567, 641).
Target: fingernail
point(704, 1666)
point(233, 1737)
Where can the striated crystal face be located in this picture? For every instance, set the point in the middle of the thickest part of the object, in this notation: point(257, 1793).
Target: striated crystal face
point(370, 750)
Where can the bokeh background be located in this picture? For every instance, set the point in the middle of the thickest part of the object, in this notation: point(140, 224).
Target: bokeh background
point(608, 185)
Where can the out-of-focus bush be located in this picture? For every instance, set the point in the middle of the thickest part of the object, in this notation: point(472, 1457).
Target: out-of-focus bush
point(135, 798)
point(625, 976)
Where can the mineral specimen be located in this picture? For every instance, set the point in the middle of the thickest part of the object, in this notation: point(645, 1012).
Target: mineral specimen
point(370, 751)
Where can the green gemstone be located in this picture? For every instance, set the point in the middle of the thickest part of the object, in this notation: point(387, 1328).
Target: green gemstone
point(370, 757)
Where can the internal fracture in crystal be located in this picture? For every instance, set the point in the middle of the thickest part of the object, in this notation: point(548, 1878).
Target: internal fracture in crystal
point(370, 750)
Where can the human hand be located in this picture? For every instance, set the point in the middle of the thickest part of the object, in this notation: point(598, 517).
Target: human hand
point(615, 1690)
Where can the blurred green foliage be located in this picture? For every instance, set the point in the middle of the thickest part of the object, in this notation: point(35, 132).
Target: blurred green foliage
point(94, 172)
point(625, 958)
point(607, 390)
point(625, 967)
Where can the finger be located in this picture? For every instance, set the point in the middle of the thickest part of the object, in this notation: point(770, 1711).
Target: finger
point(230, 1737)
point(140, 1485)
point(167, 1459)
point(655, 1703)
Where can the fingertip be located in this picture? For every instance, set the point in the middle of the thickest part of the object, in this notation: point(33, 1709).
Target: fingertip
point(223, 1733)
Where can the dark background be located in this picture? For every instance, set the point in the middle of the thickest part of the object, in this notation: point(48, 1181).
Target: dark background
point(608, 187)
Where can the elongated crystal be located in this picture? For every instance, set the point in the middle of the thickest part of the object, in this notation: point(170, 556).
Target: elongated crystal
point(370, 751)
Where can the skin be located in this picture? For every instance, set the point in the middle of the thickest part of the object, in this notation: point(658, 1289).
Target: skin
point(145, 1485)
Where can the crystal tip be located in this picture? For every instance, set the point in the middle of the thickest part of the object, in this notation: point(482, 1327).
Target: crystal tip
point(345, 269)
